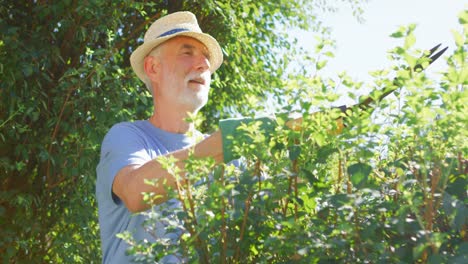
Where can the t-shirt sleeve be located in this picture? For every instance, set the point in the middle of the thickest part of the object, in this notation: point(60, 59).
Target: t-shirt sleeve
point(122, 146)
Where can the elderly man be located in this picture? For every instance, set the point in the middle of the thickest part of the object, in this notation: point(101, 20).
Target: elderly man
point(175, 61)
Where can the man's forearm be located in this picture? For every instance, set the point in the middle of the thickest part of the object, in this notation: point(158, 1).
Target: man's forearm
point(129, 183)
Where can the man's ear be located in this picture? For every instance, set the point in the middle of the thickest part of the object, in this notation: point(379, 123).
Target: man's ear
point(151, 65)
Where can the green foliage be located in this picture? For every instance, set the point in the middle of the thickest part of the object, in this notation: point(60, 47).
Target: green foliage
point(390, 188)
point(65, 79)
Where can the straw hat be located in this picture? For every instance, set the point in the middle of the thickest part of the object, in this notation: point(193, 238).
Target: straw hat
point(175, 24)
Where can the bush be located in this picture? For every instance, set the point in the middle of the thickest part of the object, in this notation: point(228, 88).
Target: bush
point(388, 188)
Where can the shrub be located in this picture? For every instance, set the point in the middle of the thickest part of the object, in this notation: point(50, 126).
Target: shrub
point(391, 187)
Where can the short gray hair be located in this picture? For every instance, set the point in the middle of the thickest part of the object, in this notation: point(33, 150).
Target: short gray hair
point(155, 53)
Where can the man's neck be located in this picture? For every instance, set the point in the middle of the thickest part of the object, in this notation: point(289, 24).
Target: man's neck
point(171, 122)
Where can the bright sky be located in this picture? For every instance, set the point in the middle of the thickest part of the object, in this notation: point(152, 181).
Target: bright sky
point(362, 47)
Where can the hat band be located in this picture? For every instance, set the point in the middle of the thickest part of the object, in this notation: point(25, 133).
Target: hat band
point(172, 31)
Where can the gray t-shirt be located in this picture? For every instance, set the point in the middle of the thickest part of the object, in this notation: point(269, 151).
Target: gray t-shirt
point(125, 144)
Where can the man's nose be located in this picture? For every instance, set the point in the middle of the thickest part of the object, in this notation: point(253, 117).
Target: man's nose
point(203, 63)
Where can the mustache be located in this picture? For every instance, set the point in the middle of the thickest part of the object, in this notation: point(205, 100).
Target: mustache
point(198, 78)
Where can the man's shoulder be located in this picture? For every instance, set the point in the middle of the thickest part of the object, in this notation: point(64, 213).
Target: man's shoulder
point(125, 130)
point(128, 127)
point(129, 124)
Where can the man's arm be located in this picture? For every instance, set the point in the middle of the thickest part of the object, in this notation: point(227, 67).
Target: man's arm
point(129, 183)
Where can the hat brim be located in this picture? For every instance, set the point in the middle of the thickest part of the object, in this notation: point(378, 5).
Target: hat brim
point(138, 56)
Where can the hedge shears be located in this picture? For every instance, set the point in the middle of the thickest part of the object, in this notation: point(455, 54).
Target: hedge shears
point(431, 57)
point(367, 102)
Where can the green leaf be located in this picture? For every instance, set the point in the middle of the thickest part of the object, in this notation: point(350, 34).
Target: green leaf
point(359, 173)
point(463, 17)
point(458, 38)
point(398, 34)
point(321, 64)
point(409, 41)
point(294, 152)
